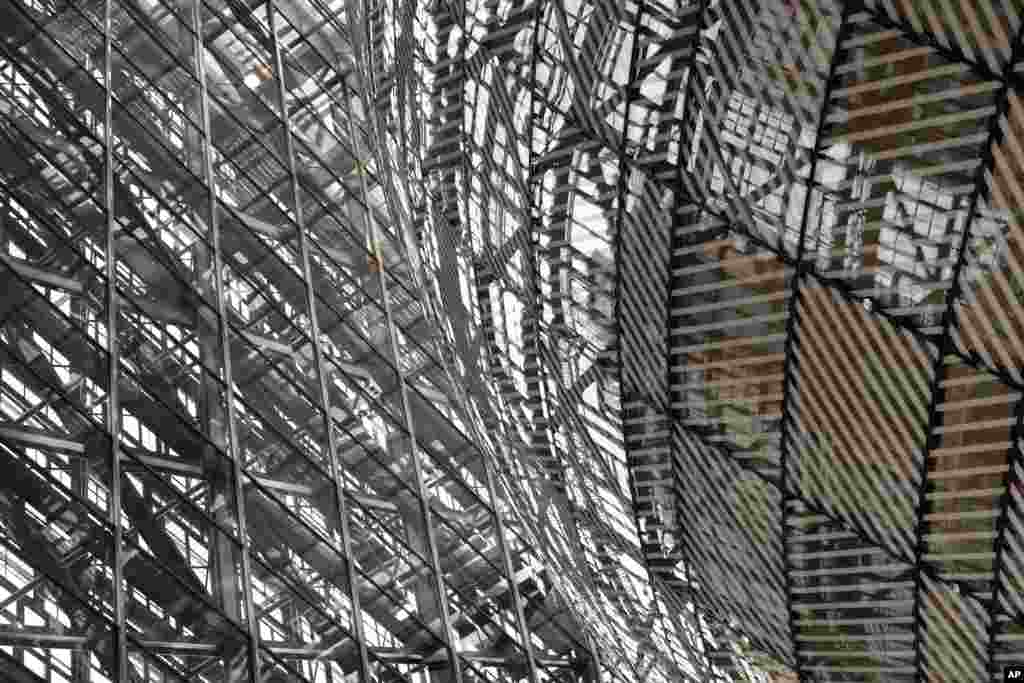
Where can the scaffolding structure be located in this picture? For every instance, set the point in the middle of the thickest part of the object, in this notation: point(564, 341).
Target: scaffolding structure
point(510, 340)
point(244, 433)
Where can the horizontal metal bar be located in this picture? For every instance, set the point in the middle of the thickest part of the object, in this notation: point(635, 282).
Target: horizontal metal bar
point(374, 502)
point(162, 463)
point(42, 276)
point(40, 439)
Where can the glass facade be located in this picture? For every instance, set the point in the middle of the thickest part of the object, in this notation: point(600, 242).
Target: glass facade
point(501, 340)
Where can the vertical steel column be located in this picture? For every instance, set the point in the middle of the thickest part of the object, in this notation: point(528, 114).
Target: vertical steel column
point(120, 673)
point(622, 192)
point(421, 489)
point(790, 346)
point(351, 585)
point(1011, 481)
point(537, 314)
point(506, 558)
point(492, 490)
point(689, 570)
point(946, 346)
point(664, 407)
point(252, 629)
point(592, 667)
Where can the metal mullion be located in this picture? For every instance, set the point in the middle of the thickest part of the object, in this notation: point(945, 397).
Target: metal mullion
point(144, 467)
point(392, 602)
point(461, 593)
point(267, 156)
point(73, 497)
point(17, 595)
point(224, 27)
point(35, 72)
point(446, 467)
point(265, 424)
point(162, 203)
point(454, 660)
point(174, 59)
point(318, 359)
point(175, 63)
point(296, 66)
point(72, 593)
point(24, 91)
point(565, 414)
point(271, 306)
point(328, 168)
point(199, 48)
point(264, 193)
point(90, 192)
point(203, 372)
point(460, 539)
point(284, 113)
point(42, 25)
point(381, 410)
point(55, 240)
point(304, 104)
point(294, 587)
point(231, 119)
point(790, 340)
point(489, 481)
point(295, 451)
point(1011, 481)
point(394, 540)
point(178, 346)
point(249, 39)
point(31, 412)
point(946, 346)
point(300, 104)
point(49, 230)
point(383, 540)
point(303, 34)
point(271, 365)
point(229, 159)
point(19, 180)
point(16, 311)
point(201, 600)
point(509, 577)
point(532, 317)
point(269, 362)
point(370, 455)
point(413, 297)
point(155, 195)
point(375, 401)
point(253, 137)
point(113, 426)
point(155, 18)
point(172, 506)
point(346, 271)
point(171, 492)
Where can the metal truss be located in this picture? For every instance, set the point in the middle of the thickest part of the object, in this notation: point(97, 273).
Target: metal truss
point(493, 340)
point(764, 254)
point(811, 314)
point(231, 446)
